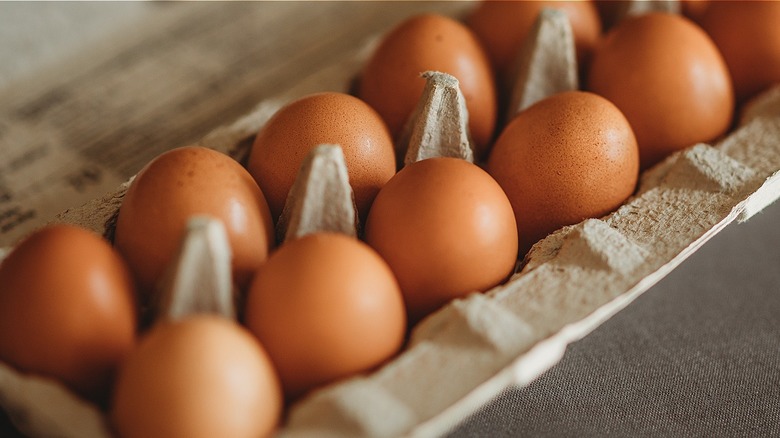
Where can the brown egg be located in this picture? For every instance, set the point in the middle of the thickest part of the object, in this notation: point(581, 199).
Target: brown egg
point(609, 11)
point(177, 185)
point(695, 9)
point(446, 229)
point(748, 35)
point(612, 11)
point(566, 158)
point(203, 376)
point(668, 78)
point(325, 307)
point(67, 309)
point(502, 26)
point(333, 118)
point(391, 81)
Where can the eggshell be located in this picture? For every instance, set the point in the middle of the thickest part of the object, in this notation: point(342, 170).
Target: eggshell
point(391, 81)
point(614, 11)
point(668, 78)
point(566, 158)
point(503, 26)
point(446, 229)
point(748, 35)
point(609, 12)
point(695, 9)
point(177, 185)
point(325, 307)
point(67, 309)
point(203, 376)
point(324, 118)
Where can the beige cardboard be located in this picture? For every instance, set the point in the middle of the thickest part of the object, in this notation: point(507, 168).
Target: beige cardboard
point(465, 354)
point(572, 281)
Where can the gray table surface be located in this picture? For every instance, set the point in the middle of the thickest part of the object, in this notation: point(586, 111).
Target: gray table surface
point(697, 355)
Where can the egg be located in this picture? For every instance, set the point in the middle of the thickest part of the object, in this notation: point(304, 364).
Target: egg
point(503, 26)
point(177, 185)
point(569, 157)
point(669, 80)
point(748, 35)
point(323, 118)
point(695, 9)
point(325, 306)
point(446, 229)
point(67, 309)
point(391, 81)
point(609, 11)
point(202, 376)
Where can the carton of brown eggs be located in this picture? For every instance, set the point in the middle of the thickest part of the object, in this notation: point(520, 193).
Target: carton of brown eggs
point(474, 347)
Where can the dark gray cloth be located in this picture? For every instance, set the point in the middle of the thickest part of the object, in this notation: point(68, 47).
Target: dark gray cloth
point(696, 355)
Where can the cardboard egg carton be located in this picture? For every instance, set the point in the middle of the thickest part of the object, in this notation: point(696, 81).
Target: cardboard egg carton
point(460, 357)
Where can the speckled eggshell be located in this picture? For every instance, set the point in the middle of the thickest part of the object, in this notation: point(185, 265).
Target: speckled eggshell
point(748, 35)
point(203, 376)
point(172, 188)
point(668, 78)
point(332, 118)
point(503, 26)
point(325, 307)
point(67, 309)
point(391, 81)
point(566, 158)
point(446, 229)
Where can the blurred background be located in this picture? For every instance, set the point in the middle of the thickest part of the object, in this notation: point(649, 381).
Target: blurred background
point(89, 92)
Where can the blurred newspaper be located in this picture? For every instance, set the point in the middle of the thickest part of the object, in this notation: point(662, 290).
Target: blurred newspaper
point(152, 77)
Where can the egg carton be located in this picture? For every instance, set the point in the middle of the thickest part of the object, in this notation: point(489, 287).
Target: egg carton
point(466, 353)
